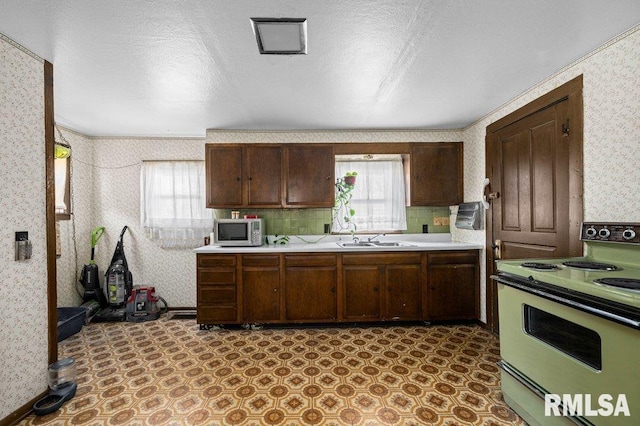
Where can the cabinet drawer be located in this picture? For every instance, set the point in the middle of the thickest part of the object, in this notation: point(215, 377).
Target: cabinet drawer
point(213, 260)
point(208, 315)
point(453, 257)
point(321, 260)
point(216, 276)
point(382, 259)
point(269, 260)
point(213, 295)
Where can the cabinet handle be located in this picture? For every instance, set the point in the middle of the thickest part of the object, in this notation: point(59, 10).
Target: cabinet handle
point(238, 179)
point(375, 289)
point(275, 290)
point(333, 289)
point(250, 178)
point(328, 177)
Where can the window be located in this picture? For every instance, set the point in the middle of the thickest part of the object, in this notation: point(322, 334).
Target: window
point(378, 195)
point(62, 172)
point(172, 206)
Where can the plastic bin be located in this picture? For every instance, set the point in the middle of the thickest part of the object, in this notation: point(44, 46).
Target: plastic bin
point(70, 321)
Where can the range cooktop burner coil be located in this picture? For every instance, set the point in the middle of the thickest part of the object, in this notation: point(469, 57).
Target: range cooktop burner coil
point(628, 283)
point(540, 266)
point(595, 266)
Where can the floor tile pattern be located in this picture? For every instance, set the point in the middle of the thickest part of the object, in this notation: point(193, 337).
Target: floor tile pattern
point(171, 372)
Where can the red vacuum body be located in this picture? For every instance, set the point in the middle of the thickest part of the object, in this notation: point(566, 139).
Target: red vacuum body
point(142, 304)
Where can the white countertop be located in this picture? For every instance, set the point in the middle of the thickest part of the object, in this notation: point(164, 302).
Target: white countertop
point(329, 243)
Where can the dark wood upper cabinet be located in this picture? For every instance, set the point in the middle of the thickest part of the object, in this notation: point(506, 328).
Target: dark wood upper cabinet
point(436, 174)
point(243, 175)
point(263, 168)
point(308, 175)
point(223, 165)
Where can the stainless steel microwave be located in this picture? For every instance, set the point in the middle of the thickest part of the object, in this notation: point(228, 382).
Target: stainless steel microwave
point(238, 232)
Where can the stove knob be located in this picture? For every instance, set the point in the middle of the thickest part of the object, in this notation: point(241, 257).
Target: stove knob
point(629, 234)
point(591, 232)
point(604, 233)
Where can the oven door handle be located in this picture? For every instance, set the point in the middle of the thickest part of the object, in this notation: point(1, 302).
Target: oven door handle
point(616, 312)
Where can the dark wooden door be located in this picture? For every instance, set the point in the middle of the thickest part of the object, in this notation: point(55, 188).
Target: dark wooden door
point(224, 176)
point(263, 175)
point(530, 216)
point(534, 161)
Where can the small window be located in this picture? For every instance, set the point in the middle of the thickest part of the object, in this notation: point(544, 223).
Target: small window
point(172, 205)
point(62, 172)
point(378, 194)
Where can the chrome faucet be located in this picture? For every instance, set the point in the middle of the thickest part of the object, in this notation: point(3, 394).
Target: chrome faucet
point(370, 239)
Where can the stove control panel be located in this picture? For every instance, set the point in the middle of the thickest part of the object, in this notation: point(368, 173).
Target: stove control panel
point(611, 232)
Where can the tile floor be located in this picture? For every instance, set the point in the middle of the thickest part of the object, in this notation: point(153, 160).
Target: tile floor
point(170, 372)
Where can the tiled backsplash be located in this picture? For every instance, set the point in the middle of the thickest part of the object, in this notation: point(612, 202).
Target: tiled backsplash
point(311, 221)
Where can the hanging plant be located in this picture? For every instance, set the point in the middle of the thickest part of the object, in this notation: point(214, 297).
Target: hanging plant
point(343, 213)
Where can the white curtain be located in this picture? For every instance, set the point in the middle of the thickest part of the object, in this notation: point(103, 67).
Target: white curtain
point(378, 195)
point(172, 207)
point(61, 179)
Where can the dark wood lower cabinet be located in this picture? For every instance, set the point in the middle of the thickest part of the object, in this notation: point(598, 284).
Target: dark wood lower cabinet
point(310, 283)
point(403, 292)
point(217, 296)
point(381, 286)
point(337, 287)
point(261, 288)
point(453, 291)
point(361, 292)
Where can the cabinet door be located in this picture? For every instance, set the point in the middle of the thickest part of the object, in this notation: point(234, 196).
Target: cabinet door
point(224, 175)
point(436, 174)
point(452, 292)
point(361, 292)
point(453, 286)
point(309, 175)
point(263, 175)
point(310, 288)
point(261, 288)
point(403, 301)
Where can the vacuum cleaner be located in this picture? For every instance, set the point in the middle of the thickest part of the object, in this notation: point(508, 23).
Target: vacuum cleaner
point(118, 285)
point(93, 298)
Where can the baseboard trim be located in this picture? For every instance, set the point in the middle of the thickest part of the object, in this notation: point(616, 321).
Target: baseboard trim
point(22, 412)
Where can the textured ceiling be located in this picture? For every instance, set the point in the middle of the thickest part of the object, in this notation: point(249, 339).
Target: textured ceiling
point(177, 68)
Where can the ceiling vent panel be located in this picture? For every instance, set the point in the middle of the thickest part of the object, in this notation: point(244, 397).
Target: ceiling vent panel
point(280, 36)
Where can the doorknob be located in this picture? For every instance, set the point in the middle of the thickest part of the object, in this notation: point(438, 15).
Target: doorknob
point(497, 249)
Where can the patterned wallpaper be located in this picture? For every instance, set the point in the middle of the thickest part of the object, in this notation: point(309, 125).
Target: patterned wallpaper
point(23, 301)
point(611, 93)
point(611, 96)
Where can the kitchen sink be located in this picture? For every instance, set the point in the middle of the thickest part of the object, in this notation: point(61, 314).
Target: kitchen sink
point(358, 244)
point(390, 244)
point(374, 244)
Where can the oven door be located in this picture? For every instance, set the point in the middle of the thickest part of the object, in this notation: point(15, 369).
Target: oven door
point(563, 350)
